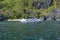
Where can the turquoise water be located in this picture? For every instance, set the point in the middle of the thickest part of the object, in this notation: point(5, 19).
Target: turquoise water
point(46, 30)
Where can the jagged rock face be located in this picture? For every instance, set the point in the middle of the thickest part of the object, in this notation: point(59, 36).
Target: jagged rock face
point(47, 3)
point(2, 17)
point(37, 4)
point(44, 4)
point(55, 13)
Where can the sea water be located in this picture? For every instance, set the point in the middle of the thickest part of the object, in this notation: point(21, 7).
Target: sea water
point(45, 30)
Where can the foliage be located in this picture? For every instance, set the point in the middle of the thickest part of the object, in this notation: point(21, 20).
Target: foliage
point(24, 8)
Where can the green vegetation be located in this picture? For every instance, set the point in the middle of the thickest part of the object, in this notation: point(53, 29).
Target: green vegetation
point(23, 8)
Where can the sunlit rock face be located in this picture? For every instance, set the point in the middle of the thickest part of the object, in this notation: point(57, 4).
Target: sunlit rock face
point(44, 4)
point(55, 14)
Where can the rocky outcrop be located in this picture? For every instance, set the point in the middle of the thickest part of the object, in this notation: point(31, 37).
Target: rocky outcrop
point(45, 4)
point(55, 14)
